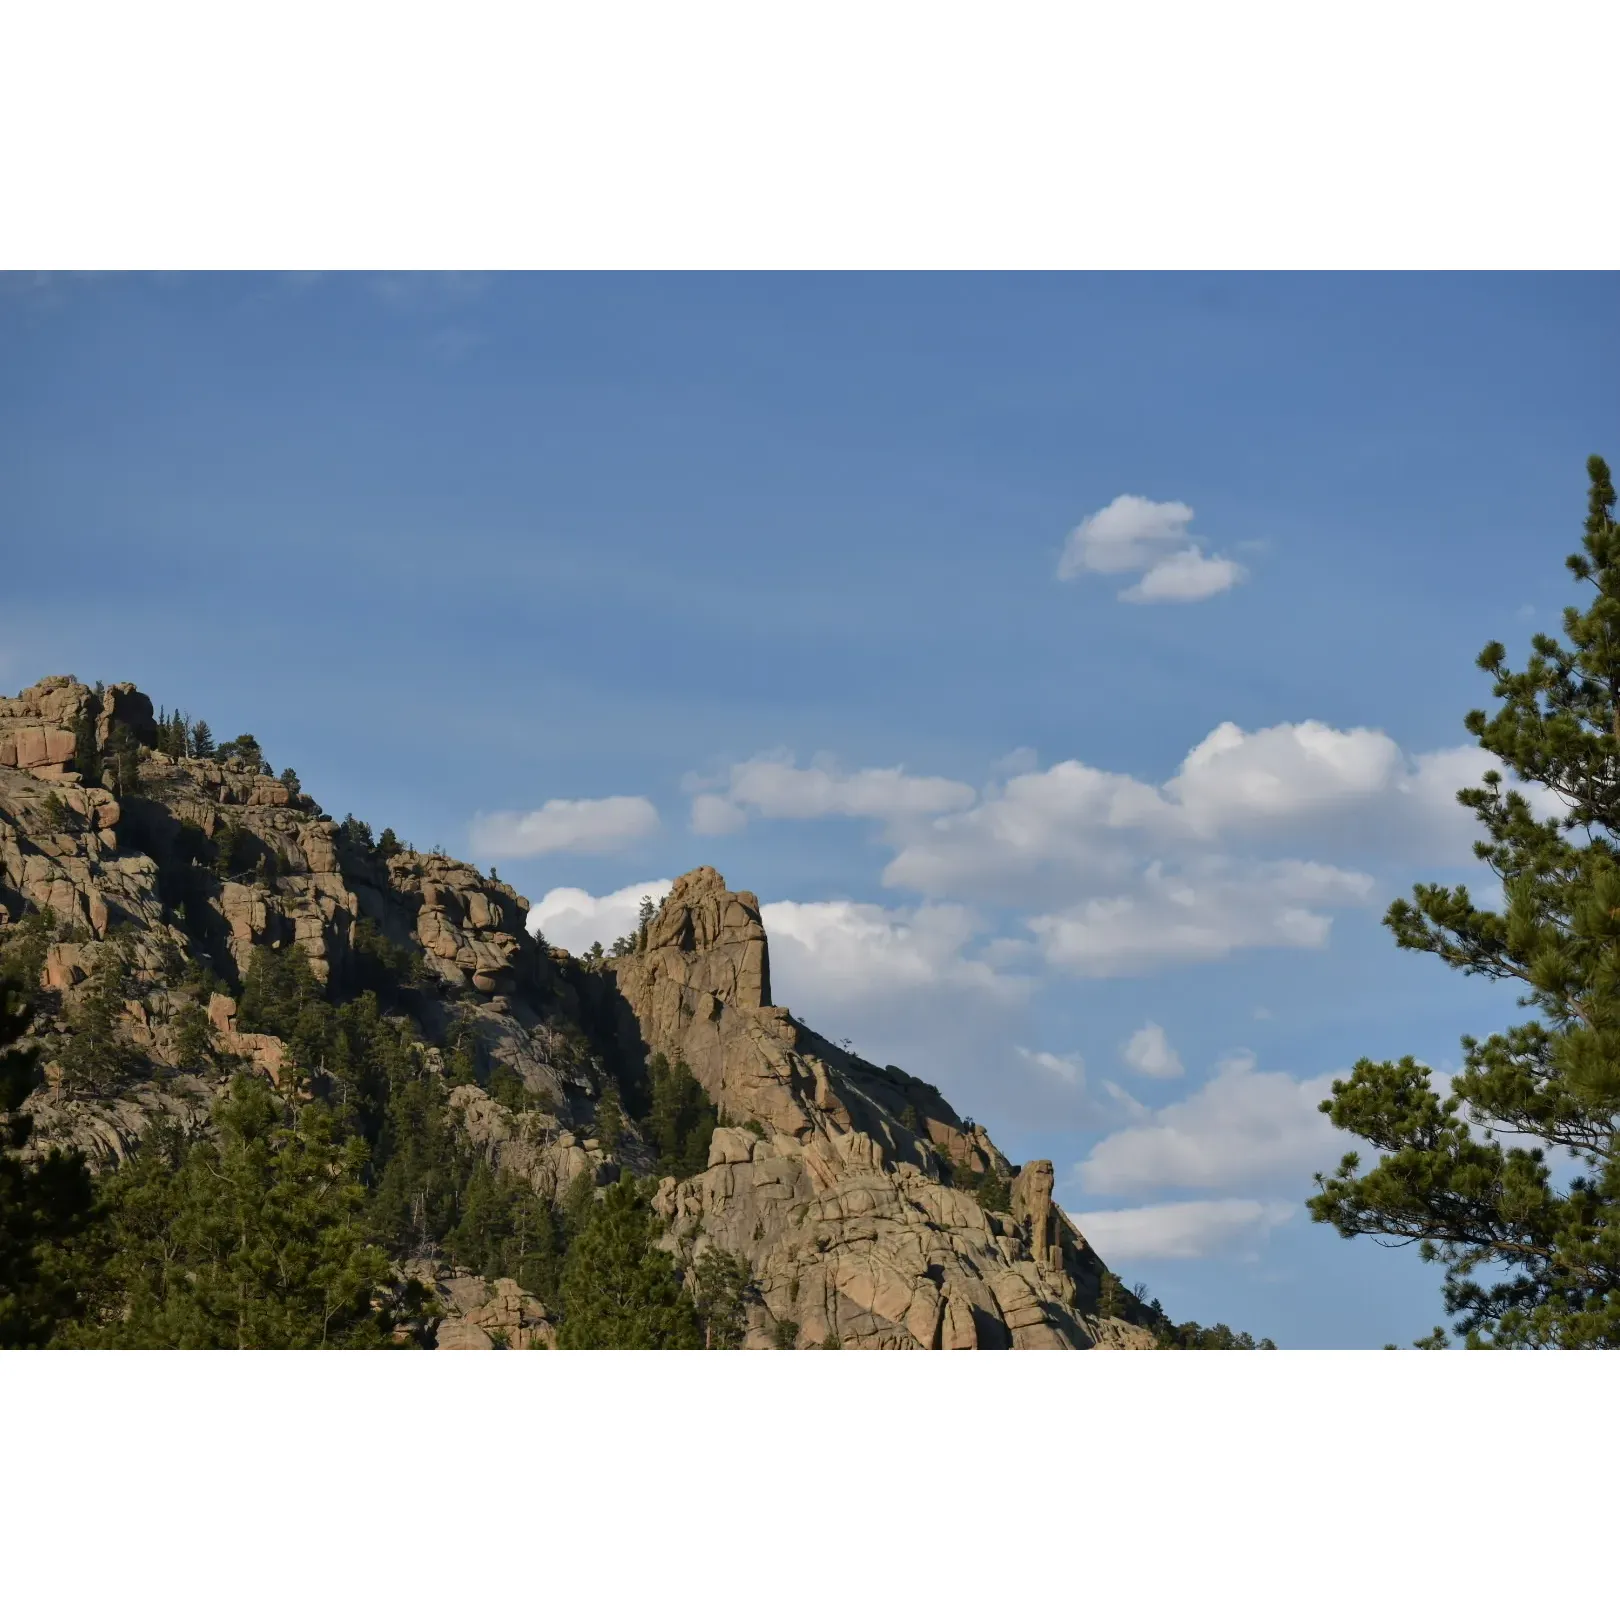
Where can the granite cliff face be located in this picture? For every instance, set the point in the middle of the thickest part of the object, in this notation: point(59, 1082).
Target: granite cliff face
point(847, 1189)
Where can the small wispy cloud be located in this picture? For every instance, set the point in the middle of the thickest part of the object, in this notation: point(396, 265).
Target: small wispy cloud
point(1150, 1053)
point(579, 826)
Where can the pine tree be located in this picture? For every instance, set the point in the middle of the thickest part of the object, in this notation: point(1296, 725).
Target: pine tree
point(202, 741)
point(682, 1120)
point(420, 1168)
point(721, 1284)
point(255, 1241)
point(42, 1204)
point(86, 750)
point(96, 1057)
point(126, 754)
point(1446, 1180)
point(609, 1122)
point(506, 1230)
point(1110, 1295)
point(619, 1292)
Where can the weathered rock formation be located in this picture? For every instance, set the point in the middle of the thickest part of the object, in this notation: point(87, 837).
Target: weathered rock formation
point(851, 1191)
point(831, 1176)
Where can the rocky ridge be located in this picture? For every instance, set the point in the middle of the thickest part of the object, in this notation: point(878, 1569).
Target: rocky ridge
point(848, 1189)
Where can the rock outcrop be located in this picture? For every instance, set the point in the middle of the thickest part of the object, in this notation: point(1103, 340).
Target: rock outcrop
point(832, 1177)
point(870, 1214)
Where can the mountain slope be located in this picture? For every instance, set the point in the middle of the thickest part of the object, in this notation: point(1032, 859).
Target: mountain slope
point(162, 917)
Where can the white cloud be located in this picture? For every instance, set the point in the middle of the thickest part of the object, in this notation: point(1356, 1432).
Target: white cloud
point(582, 826)
point(1128, 534)
point(1305, 784)
point(1069, 1071)
point(1198, 915)
point(1245, 1126)
point(1289, 772)
point(778, 788)
point(837, 952)
point(1189, 576)
point(576, 920)
point(715, 817)
point(1135, 535)
point(1184, 1231)
point(1150, 1053)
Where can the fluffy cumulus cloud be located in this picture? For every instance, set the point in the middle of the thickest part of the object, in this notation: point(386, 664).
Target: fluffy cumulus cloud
point(1254, 840)
point(579, 826)
point(1195, 1230)
point(1303, 783)
point(576, 920)
point(1133, 535)
point(835, 952)
point(1198, 914)
point(1150, 1053)
point(1246, 1128)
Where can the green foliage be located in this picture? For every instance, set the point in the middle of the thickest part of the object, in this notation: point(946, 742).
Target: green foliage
point(682, 1120)
point(22, 954)
point(42, 1204)
point(232, 851)
point(254, 1241)
point(86, 750)
point(721, 1287)
point(506, 1086)
point(579, 1203)
point(461, 1055)
point(202, 741)
point(1445, 1180)
point(126, 761)
point(505, 1230)
point(620, 1292)
point(390, 970)
point(993, 1192)
point(245, 752)
point(281, 997)
point(173, 734)
point(609, 1122)
point(389, 845)
point(193, 1037)
point(1190, 1336)
point(356, 835)
point(418, 1191)
point(57, 815)
point(96, 1057)
point(289, 780)
point(785, 1334)
point(1109, 1295)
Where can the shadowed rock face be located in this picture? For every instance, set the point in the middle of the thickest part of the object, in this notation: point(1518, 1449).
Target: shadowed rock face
point(849, 1189)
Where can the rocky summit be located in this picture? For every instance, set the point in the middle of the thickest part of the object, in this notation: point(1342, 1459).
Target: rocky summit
point(153, 885)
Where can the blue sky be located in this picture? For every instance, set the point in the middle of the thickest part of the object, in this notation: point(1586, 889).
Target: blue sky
point(808, 559)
